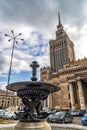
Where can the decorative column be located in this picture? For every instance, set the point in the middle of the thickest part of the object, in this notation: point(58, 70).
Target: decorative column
point(81, 93)
point(72, 96)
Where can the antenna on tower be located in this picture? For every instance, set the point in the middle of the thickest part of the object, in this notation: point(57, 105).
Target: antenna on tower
point(59, 18)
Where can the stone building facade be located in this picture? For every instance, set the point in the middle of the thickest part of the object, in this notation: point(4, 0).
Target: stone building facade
point(12, 100)
point(70, 75)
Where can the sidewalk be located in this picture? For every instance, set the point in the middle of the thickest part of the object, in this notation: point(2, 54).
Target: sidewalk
point(68, 126)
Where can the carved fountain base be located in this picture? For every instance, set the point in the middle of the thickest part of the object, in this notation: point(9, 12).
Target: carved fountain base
point(32, 126)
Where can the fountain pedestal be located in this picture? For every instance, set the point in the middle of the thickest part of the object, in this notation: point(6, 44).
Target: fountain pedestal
point(32, 126)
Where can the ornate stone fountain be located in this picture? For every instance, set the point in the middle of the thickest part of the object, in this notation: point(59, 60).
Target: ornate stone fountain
point(32, 93)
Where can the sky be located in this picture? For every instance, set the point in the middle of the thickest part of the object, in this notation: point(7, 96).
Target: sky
point(37, 20)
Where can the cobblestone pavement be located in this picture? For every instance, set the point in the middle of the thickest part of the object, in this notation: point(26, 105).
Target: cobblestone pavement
point(77, 120)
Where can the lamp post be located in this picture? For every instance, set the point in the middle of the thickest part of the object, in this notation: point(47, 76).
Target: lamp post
point(15, 40)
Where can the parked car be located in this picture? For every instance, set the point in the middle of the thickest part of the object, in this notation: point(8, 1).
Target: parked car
point(84, 119)
point(82, 112)
point(2, 112)
point(9, 115)
point(60, 117)
point(74, 112)
point(51, 111)
point(43, 115)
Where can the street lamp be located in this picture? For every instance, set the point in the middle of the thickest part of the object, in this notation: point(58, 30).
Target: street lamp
point(15, 40)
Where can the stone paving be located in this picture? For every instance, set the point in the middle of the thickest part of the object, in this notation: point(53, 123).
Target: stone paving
point(53, 125)
point(68, 127)
point(77, 120)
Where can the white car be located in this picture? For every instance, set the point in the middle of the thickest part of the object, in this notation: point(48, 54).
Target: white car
point(2, 112)
point(9, 115)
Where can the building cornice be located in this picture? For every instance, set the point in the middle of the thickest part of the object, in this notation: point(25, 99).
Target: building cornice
point(74, 69)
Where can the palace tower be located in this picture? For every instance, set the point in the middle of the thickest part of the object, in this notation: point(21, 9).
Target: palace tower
point(67, 72)
point(61, 49)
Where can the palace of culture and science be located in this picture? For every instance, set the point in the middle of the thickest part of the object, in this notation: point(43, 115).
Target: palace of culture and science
point(67, 72)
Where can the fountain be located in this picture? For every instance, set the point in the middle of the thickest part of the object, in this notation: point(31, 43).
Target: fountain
point(32, 93)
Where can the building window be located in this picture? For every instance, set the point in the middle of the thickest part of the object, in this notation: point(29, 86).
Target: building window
point(17, 103)
point(2, 101)
point(70, 105)
point(50, 46)
point(68, 87)
point(69, 96)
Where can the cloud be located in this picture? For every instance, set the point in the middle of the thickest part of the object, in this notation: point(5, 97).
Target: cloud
point(3, 85)
point(4, 63)
point(24, 53)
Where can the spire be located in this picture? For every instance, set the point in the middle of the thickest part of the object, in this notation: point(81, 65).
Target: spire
point(59, 26)
point(59, 18)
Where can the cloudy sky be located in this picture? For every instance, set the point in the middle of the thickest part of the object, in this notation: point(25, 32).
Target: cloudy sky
point(37, 21)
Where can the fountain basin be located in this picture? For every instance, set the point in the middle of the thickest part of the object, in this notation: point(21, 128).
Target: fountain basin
point(32, 89)
point(32, 85)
